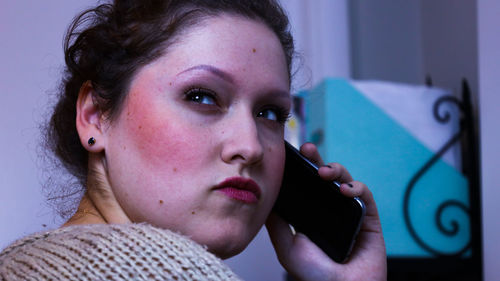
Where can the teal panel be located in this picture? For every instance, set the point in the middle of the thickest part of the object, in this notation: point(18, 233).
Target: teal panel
point(381, 153)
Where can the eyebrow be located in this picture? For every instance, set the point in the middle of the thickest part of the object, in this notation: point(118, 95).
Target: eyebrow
point(212, 69)
point(282, 94)
point(226, 76)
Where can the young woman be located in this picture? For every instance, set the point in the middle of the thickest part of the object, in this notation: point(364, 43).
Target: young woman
point(172, 116)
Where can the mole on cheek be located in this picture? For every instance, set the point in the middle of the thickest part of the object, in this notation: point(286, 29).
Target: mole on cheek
point(140, 127)
point(174, 169)
point(193, 212)
point(161, 202)
point(254, 50)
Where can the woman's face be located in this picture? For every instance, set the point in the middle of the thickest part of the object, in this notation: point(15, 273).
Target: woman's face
point(198, 146)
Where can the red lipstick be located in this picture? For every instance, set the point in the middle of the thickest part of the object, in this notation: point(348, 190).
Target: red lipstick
point(241, 189)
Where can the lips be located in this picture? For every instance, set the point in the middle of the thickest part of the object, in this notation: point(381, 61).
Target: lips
point(241, 189)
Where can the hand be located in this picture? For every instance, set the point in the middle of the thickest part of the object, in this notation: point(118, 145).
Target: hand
point(305, 261)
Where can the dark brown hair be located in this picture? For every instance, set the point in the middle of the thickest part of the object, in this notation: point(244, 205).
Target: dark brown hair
point(108, 44)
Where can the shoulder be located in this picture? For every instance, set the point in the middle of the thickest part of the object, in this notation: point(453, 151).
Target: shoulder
point(116, 252)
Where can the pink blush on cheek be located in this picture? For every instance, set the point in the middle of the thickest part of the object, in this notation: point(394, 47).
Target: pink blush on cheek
point(159, 135)
point(162, 154)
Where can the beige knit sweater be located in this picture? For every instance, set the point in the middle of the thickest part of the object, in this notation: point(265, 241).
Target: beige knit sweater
point(110, 252)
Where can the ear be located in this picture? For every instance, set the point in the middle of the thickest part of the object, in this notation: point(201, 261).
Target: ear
point(89, 119)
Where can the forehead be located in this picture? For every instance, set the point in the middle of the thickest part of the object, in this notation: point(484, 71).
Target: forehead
point(229, 42)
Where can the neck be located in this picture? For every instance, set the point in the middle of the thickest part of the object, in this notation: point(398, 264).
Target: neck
point(87, 213)
point(99, 204)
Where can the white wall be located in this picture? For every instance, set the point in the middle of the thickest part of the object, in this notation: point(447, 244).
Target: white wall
point(489, 105)
point(31, 59)
point(321, 34)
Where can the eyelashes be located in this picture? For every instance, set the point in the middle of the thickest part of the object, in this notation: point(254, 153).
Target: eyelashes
point(275, 113)
point(201, 96)
point(207, 98)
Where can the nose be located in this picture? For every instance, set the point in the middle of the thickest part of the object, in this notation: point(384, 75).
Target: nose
point(242, 143)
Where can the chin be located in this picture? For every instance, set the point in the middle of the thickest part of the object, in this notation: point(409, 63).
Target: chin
point(228, 250)
point(229, 244)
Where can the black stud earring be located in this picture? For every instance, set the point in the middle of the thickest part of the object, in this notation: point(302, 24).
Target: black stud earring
point(91, 141)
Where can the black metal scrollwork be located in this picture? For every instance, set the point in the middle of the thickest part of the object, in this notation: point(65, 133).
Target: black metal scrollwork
point(448, 231)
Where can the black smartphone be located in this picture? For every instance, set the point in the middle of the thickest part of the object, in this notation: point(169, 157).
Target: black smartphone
point(316, 207)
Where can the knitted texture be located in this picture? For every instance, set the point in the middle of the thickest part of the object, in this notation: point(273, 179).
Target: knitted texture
point(110, 252)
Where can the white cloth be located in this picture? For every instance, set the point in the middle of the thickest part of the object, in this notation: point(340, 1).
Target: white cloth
point(110, 252)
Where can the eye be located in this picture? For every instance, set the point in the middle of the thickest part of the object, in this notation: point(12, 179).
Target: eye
point(279, 115)
point(201, 96)
point(268, 114)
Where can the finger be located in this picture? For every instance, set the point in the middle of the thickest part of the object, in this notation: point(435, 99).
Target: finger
point(358, 189)
point(370, 238)
point(335, 171)
point(310, 151)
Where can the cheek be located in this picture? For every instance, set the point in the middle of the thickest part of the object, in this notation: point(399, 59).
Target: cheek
point(275, 167)
point(160, 138)
point(153, 156)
